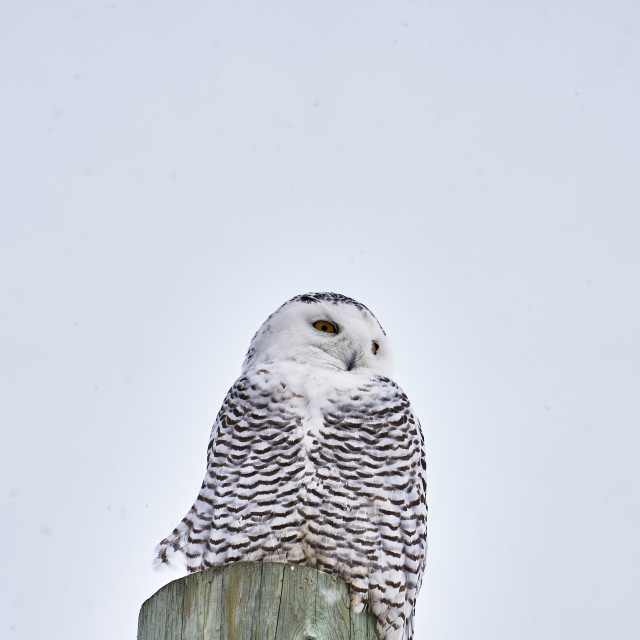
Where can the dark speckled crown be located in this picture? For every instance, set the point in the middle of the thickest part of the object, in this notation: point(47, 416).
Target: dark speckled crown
point(332, 298)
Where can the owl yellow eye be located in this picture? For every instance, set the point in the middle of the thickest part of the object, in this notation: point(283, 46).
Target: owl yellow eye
point(326, 326)
point(374, 347)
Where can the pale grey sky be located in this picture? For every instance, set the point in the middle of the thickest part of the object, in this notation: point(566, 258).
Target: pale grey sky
point(172, 172)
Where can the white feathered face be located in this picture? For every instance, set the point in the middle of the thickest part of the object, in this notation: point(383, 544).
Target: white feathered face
point(326, 330)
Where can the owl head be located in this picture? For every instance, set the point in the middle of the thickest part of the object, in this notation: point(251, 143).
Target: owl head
point(325, 330)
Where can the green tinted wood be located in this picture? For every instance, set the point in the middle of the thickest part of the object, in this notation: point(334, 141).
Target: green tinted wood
point(254, 601)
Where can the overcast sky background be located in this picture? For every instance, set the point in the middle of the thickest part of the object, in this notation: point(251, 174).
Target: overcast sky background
point(172, 172)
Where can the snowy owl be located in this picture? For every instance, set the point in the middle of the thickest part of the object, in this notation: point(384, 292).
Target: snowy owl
point(316, 458)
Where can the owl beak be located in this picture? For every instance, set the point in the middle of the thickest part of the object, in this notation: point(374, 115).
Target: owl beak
point(351, 363)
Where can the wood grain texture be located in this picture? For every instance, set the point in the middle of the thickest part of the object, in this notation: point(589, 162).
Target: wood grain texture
point(254, 601)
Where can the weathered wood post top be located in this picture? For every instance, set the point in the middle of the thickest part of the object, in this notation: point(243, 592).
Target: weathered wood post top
point(254, 601)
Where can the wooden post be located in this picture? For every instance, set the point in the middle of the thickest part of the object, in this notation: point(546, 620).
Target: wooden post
point(254, 601)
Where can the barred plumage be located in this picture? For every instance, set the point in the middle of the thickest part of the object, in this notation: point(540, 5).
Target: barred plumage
point(316, 458)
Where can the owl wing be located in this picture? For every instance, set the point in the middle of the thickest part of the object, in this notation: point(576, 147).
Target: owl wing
point(371, 481)
point(249, 492)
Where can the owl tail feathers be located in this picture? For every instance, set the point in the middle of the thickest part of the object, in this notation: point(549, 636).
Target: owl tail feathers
point(392, 623)
point(394, 631)
point(169, 554)
point(173, 551)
